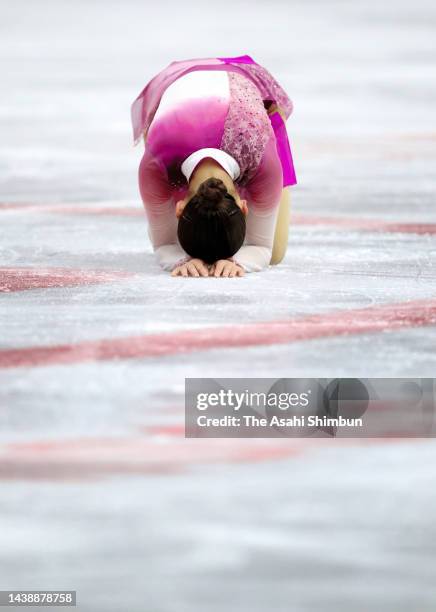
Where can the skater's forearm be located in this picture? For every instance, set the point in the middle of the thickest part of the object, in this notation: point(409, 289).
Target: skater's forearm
point(253, 258)
point(255, 254)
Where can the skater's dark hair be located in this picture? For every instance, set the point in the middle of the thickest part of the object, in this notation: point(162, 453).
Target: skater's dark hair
point(212, 225)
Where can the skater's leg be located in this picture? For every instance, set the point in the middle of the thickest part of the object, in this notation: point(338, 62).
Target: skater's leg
point(282, 228)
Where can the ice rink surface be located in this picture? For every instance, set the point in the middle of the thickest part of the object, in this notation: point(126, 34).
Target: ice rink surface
point(100, 492)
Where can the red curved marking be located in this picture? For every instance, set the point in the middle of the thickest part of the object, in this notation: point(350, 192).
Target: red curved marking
point(377, 225)
point(89, 458)
point(23, 279)
point(385, 317)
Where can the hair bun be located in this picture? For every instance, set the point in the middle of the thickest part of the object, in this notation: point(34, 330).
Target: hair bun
point(213, 190)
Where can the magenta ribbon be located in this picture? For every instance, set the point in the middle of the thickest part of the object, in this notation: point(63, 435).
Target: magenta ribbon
point(283, 149)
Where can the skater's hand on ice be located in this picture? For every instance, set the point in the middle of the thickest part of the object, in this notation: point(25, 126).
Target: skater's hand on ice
point(226, 267)
point(193, 267)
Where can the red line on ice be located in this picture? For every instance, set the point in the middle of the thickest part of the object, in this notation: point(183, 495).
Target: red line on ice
point(376, 225)
point(379, 318)
point(23, 279)
point(94, 457)
point(75, 209)
point(116, 211)
point(91, 458)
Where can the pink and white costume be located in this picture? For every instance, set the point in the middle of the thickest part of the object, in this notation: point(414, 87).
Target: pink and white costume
point(213, 108)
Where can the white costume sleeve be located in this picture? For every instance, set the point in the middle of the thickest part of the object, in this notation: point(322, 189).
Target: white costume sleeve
point(162, 229)
point(255, 253)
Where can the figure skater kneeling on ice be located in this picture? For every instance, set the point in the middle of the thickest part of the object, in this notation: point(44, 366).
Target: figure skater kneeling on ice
point(217, 166)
